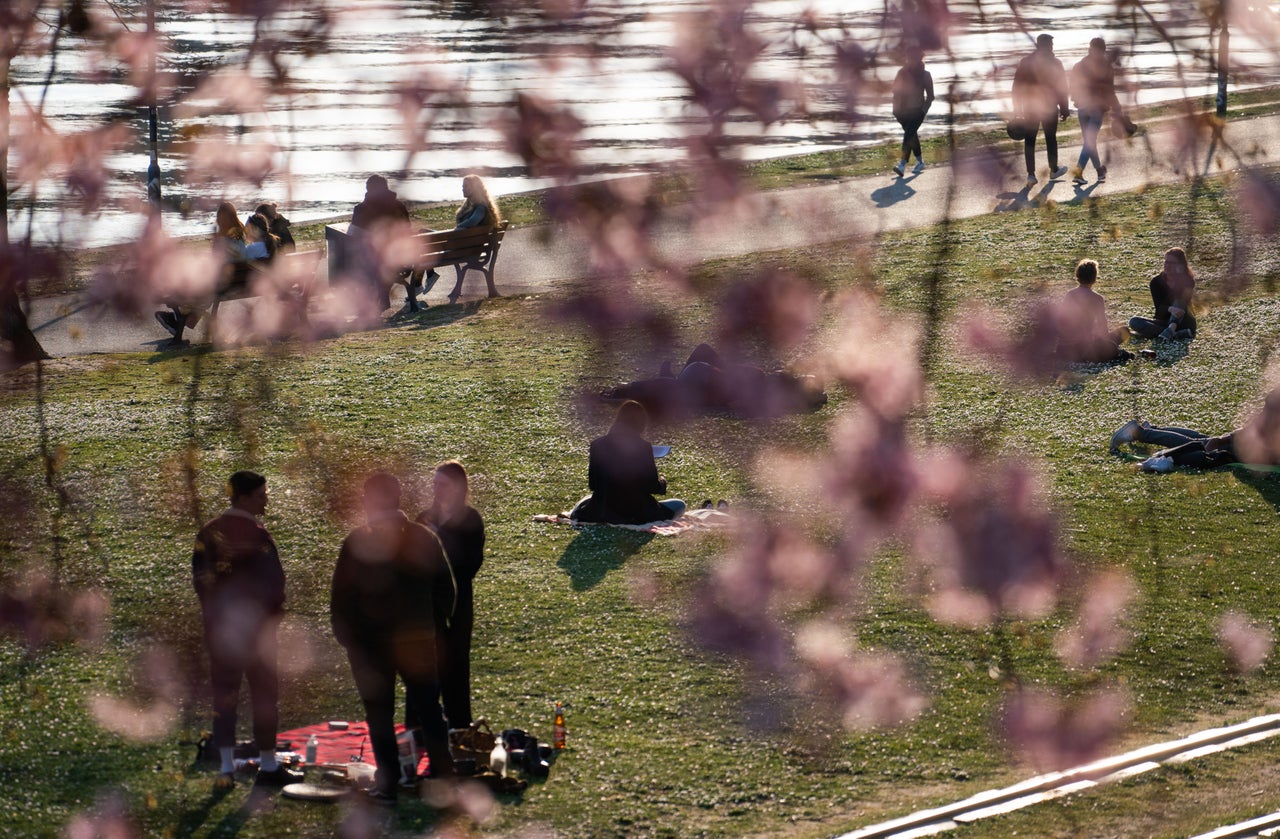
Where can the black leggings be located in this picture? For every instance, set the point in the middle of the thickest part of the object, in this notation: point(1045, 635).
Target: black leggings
point(910, 139)
point(1186, 447)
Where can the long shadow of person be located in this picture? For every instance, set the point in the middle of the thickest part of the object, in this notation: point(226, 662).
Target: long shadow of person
point(1013, 201)
point(900, 190)
point(194, 818)
point(597, 550)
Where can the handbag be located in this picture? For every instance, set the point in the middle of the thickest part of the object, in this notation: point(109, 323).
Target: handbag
point(1019, 127)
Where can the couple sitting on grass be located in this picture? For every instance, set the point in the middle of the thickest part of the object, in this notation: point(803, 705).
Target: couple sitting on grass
point(1083, 334)
point(1256, 443)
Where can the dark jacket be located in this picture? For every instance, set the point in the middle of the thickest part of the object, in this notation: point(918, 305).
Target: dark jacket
point(379, 207)
point(463, 543)
point(622, 477)
point(234, 564)
point(1093, 84)
point(912, 91)
point(392, 583)
point(1040, 86)
point(1166, 292)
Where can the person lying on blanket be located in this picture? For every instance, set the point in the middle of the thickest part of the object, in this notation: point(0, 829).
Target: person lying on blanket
point(1255, 443)
point(623, 477)
point(707, 383)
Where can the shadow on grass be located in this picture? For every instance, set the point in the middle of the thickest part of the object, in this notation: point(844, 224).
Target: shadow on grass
point(596, 551)
point(192, 819)
point(1265, 483)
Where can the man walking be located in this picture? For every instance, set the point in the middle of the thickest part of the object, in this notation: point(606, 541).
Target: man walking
point(1040, 100)
point(391, 585)
point(238, 578)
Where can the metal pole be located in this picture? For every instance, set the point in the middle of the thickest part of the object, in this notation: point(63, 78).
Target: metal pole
point(153, 170)
point(1224, 41)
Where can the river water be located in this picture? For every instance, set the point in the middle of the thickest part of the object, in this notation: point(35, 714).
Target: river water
point(337, 120)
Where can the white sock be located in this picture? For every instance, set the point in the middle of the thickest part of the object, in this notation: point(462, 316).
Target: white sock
point(267, 760)
point(227, 754)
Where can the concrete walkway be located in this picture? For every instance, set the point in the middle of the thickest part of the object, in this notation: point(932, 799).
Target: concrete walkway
point(535, 259)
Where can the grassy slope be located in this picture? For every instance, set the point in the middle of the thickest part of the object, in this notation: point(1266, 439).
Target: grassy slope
point(659, 745)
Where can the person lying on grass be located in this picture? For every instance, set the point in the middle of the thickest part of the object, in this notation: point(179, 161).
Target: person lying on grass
point(623, 477)
point(1257, 443)
point(709, 384)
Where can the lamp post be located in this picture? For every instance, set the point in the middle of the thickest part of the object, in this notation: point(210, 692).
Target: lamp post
point(153, 170)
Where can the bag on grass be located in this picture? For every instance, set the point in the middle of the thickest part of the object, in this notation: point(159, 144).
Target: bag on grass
point(475, 741)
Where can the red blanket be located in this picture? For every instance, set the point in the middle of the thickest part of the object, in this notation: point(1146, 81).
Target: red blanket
point(338, 748)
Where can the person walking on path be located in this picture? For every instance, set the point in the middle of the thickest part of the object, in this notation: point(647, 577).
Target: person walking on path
point(912, 96)
point(1093, 87)
point(391, 588)
point(1171, 293)
point(1040, 101)
point(238, 578)
point(461, 531)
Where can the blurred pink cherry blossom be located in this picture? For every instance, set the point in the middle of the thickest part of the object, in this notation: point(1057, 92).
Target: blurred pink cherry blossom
point(1246, 644)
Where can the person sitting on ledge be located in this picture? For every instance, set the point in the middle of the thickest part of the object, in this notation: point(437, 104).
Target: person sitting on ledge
point(709, 384)
point(623, 477)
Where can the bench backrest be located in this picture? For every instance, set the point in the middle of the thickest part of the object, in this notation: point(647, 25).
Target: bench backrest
point(472, 245)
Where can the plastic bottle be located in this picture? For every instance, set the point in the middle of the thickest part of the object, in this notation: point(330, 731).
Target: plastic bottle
point(312, 745)
point(558, 731)
point(498, 759)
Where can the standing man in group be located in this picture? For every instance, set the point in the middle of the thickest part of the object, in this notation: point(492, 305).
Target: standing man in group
point(238, 578)
point(1093, 87)
point(1040, 101)
point(912, 96)
point(391, 586)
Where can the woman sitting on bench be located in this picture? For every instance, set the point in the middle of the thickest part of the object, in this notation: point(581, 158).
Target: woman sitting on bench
point(230, 243)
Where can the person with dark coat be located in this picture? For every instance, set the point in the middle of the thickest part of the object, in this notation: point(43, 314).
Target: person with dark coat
point(373, 221)
point(1083, 334)
point(240, 583)
point(392, 589)
point(623, 477)
point(279, 226)
point(461, 531)
point(1040, 101)
point(1093, 87)
point(912, 97)
point(1171, 293)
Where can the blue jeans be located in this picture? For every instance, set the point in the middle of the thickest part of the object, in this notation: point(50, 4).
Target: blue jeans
point(1090, 123)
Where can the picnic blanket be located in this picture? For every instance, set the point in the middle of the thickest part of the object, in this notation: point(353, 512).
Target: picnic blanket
point(338, 748)
point(690, 520)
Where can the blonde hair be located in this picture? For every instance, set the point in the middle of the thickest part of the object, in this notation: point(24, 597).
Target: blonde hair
point(476, 193)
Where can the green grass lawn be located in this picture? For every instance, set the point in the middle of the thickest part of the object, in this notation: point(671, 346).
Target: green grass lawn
point(661, 735)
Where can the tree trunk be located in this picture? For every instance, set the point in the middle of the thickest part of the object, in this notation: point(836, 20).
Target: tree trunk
point(18, 344)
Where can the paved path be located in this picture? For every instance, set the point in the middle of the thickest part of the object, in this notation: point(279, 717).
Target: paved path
point(535, 259)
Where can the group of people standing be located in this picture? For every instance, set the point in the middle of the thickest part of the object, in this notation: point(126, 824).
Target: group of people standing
point(1042, 91)
point(401, 606)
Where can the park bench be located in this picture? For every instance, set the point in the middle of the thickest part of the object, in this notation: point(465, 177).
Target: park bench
point(296, 269)
point(472, 248)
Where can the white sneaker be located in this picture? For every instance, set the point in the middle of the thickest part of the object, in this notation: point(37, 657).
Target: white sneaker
point(900, 168)
point(1157, 463)
point(1031, 180)
point(1057, 173)
point(1079, 180)
point(919, 167)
